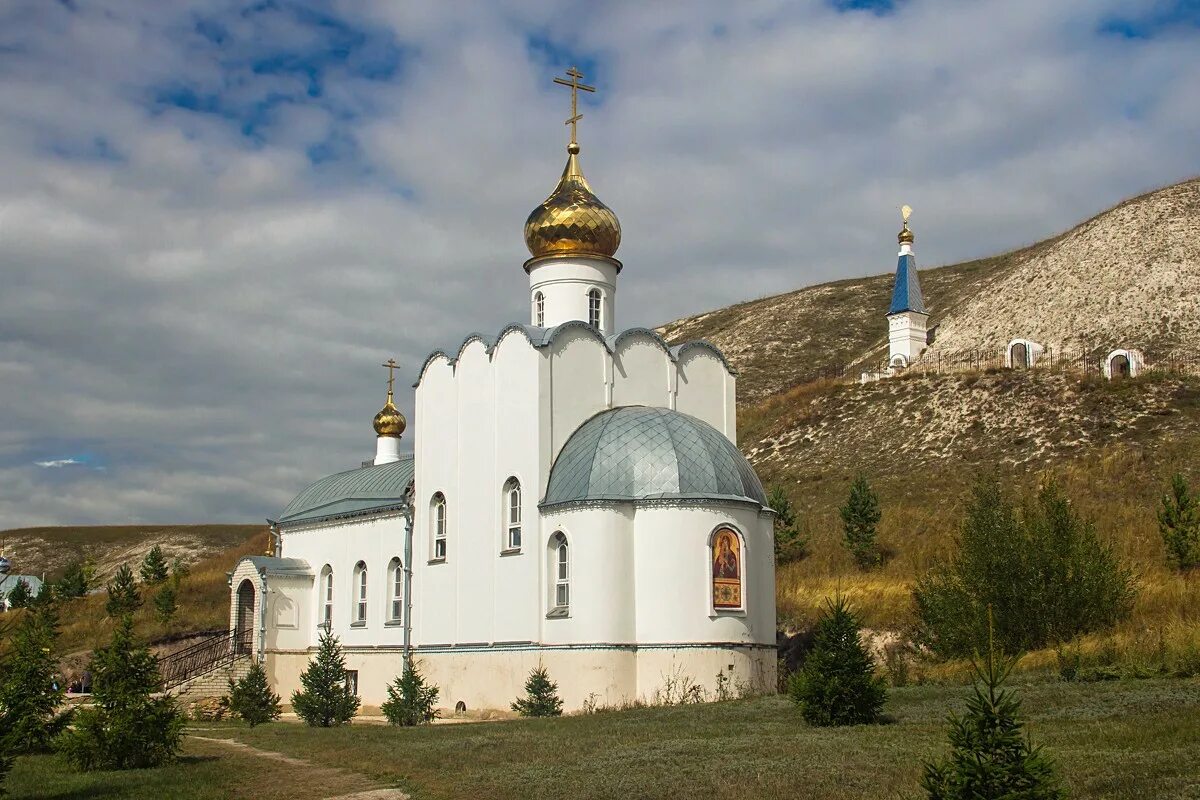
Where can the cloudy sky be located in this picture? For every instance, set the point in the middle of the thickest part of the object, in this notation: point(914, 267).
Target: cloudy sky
point(218, 218)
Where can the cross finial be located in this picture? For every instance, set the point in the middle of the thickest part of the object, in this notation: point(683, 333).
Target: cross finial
point(575, 75)
point(391, 368)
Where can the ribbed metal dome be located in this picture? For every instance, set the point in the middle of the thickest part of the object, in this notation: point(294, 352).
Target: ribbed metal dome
point(640, 453)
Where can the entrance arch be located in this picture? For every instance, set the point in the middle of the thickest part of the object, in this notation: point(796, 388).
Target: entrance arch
point(1019, 356)
point(1118, 366)
point(243, 633)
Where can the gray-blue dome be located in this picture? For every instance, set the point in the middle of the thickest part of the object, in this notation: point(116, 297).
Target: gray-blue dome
point(640, 453)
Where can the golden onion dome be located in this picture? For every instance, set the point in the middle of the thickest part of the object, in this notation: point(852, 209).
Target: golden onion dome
point(389, 421)
point(906, 236)
point(572, 220)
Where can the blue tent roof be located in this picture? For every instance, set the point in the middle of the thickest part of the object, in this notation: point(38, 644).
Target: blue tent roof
point(906, 294)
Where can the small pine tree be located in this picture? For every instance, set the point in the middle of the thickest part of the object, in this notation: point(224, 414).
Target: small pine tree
point(28, 694)
point(860, 518)
point(251, 698)
point(327, 698)
point(1179, 523)
point(837, 684)
point(76, 580)
point(541, 696)
point(123, 597)
point(166, 601)
point(989, 757)
point(154, 568)
point(410, 700)
point(126, 728)
point(790, 544)
point(179, 569)
point(20, 595)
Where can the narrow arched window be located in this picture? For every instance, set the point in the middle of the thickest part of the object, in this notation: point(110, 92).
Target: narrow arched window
point(327, 596)
point(438, 523)
point(539, 309)
point(395, 590)
point(360, 593)
point(512, 514)
point(594, 306)
point(560, 575)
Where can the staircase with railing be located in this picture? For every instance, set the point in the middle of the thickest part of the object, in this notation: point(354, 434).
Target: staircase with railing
point(216, 652)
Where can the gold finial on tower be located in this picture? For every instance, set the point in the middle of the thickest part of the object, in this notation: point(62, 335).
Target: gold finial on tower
point(576, 87)
point(389, 421)
point(906, 236)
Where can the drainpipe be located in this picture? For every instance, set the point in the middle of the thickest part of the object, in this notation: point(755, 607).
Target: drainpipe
point(408, 573)
point(262, 618)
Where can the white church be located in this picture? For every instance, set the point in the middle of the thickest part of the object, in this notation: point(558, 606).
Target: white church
point(575, 498)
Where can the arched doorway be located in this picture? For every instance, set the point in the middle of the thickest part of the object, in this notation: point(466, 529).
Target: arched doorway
point(243, 635)
point(1118, 366)
point(1019, 356)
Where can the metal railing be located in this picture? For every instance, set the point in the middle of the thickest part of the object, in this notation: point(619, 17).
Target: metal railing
point(209, 654)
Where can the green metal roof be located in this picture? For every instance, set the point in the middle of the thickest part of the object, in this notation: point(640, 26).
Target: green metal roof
point(356, 491)
point(637, 453)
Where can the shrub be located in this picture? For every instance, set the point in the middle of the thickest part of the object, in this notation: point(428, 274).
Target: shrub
point(251, 698)
point(76, 580)
point(860, 519)
point(1043, 570)
point(790, 543)
point(989, 757)
point(1179, 523)
point(541, 696)
point(327, 698)
point(123, 597)
point(154, 567)
point(20, 595)
point(837, 684)
point(126, 728)
point(28, 696)
point(410, 700)
point(166, 601)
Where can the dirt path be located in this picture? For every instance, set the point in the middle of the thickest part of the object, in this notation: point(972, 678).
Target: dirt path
point(378, 793)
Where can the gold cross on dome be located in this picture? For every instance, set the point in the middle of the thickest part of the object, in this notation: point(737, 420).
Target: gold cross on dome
point(391, 368)
point(575, 87)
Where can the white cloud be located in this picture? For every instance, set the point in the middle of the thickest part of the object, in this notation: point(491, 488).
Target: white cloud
point(55, 464)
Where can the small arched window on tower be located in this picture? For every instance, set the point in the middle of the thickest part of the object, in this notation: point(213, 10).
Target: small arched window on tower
point(539, 309)
point(595, 303)
point(437, 520)
point(360, 594)
point(560, 575)
point(511, 499)
point(395, 590)
point(326, 596)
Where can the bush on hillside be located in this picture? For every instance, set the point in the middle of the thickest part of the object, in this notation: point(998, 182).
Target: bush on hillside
point(989, 757)
point(251, 698)
point(860, 523)
point(1042, 569)
point(1179, 523)
point(837, 684)
point(126, 728)
point(326, 699)
point(166, 601)
point(790, 543)
point(154, 568)
point(410, 700)
point(123, 597)
point(541, 696)
point(29, 698)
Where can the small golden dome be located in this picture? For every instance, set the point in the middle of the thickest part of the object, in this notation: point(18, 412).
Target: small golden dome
point(906, 236)
point(389, 421)
point(572, 220)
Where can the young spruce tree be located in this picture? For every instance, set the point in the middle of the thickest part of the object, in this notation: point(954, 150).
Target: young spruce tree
point(837, 684)
point(28, 696)
point(126, 728)
point(1179, 523)
point(327, 698)
point(76, 580)
point(541, 696)
point(410, 700)
point(154, 568)
point(251, 698)
point(860, 518)
point(123, 597)
point(989, 757)
point(790, 543)
point(166, 601)
point(6, 755)
point(20, 595)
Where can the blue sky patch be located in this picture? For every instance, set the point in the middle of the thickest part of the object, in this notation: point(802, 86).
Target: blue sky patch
point(1164, 17)
point(877, 7)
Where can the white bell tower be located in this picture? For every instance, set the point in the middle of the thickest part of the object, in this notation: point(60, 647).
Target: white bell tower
point(908, 331)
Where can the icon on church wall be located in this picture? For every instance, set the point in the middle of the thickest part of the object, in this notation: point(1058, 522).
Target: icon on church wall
point(727, 570)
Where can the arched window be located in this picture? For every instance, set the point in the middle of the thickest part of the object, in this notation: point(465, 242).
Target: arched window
point(594, 305)
point(437, 521)
point(360, 593)
point(327, 596)
point(560, 575)
point(539, 309)
point(395, 590)
point(512, 514)
point(725, 556)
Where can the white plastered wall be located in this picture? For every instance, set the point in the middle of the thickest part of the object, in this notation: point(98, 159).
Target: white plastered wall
point(565, 283)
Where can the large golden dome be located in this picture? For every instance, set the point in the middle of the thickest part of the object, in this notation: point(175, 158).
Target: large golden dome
point(389, 421)
point(572, 220)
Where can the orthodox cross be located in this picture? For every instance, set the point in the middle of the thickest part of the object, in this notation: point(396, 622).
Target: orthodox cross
point(391, 368)
point(576, 87)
